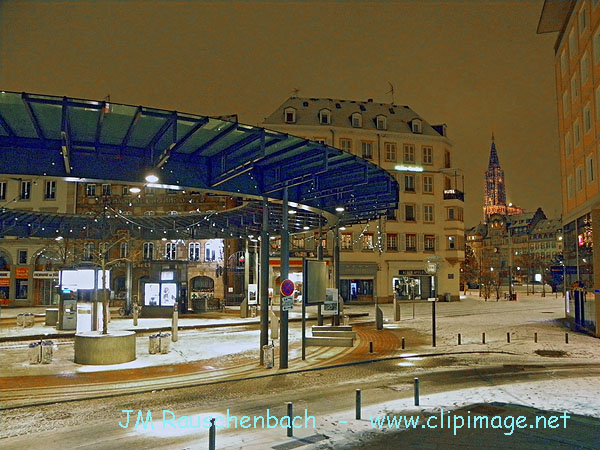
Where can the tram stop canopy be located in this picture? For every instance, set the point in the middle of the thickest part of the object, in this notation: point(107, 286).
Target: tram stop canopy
point(97, 141)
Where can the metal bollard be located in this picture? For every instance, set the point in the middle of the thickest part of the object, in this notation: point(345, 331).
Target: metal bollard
point(459, 339)
point(403, 344)
point(483, 338)
point(358, 404)
point(566, 338)
point(508, 337)
point(174, 325)
point(290, 413)
point(535, 337)
point(416, 392)
point(371, 347)
point(212, 435)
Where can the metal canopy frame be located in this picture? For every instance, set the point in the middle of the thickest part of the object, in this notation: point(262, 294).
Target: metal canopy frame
point(87, 140)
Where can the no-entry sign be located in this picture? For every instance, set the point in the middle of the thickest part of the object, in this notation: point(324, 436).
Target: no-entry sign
point(287, 288)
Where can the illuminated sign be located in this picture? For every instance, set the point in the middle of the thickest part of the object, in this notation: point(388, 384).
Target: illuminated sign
point(409, 168)
point(580, 240)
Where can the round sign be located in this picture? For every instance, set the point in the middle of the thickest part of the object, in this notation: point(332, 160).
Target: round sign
point(287, 288)
point(431, 268)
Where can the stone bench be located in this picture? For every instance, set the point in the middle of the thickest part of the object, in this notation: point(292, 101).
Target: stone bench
point(343, 334)
point(329, 342)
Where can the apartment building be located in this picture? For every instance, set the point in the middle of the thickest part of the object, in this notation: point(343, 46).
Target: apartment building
point(390, 255)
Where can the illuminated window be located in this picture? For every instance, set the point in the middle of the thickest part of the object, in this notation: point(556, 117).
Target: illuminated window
point(194, 251)
point(171, 250)
point(346, 241)
point(90, 190)
point(25, 190)
point(367, 241)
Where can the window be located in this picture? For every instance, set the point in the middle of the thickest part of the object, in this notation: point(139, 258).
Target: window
point(411, 242)
point(346, 145)
point(148, 251)
point(589, 166)
point(451, 213)
point(2, 190)
point(22, 256)
point(409, 183)
point(428, 184)
point(88, 251)
point(125, 190)
point(585, 68)
point(50, 190)
point(587, 118)
point(429, 242)
point(25, 190)
point(367, 241)
point(577, 132)
point(566, 103)
point(596, 46)
point(579, 178)
point(451, 243)
point(170, 250)
point(428, 155)
point(447, 162)
point(325, 117)
point(564, 64)
point(194, 251)
point(572, 44)
point(574, 88)
point(381, 122)
point(148, 213)
point(124, 250)
point(297, 242)
point(106, 190)
point(409, 153)
point(148, 190)
point(356, 120)
point(409, 213)
point(367, 150)
point(428, 213)
point(289, 115)
point(392, 241)
point(417, 126)
point(90, 190)
point(390, 151)
point(582, 20)
point(346, 241)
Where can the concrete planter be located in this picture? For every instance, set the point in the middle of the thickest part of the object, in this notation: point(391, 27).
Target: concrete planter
point(115, 347)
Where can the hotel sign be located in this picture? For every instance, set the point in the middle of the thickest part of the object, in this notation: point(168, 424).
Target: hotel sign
point(45, 274)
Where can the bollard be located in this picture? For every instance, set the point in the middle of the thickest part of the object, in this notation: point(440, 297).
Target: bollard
point(371, 347)
point(174, 323)
point(508, 337)
point(290, 413)
point(483, 337)
point(416, 392)
point(135, 315)
point(403, 344)
point(212, 435)
point(535, 337)
point(358, 404)
point(459, 338)
point(566, 338)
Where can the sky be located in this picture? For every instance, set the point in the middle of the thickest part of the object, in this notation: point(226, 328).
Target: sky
point(477, 66)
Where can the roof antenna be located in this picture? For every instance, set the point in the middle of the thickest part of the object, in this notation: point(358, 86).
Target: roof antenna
point(295, 92)
point(391, 91)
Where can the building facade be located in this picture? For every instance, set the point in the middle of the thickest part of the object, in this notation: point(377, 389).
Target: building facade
point(577, 72)
point(389, 256)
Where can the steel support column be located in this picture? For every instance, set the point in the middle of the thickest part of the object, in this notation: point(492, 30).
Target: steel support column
point(285, 266)
point(264, 278)
point(336, 263)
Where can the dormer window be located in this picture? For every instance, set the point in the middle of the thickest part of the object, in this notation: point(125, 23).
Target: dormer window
point(325, 117)
point(289, 115)
point(417, 126)
point(381, 122)
point(356, 120)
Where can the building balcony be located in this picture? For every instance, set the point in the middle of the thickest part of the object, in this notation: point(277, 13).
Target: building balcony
point(454, 194)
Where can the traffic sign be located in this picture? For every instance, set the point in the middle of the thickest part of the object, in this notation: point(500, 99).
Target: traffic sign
point(287, 288)
point(287, 303)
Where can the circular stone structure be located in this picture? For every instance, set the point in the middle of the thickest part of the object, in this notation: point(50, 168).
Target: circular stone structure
point(96, 348)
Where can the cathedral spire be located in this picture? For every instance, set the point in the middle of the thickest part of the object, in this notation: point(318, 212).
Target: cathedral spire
point(494, 162)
